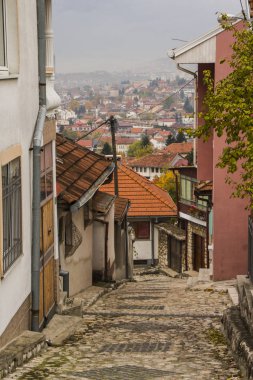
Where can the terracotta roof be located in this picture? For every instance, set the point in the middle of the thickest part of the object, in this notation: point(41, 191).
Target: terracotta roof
point(102, 202)
point(155, 160)
point(204, 187)
point(185, 147)
point(121, 206)
point(145, 197)
point(125, 140)
point(85, 143)
point(77, 169)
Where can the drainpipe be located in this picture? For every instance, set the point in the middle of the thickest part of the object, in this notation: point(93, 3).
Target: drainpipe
point(37, 140)
point(195, 104)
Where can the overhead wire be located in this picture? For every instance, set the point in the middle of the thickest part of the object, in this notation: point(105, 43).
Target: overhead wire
point(146, 111)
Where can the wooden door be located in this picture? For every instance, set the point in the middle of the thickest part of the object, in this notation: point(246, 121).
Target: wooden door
point(198, 252)
point(47, 278)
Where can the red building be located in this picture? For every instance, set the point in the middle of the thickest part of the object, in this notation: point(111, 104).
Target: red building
point(219, 241)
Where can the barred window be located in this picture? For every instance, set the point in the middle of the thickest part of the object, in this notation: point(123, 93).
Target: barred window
point(12, 231)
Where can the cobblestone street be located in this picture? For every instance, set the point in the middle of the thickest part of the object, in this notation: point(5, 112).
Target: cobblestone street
point(154, 328)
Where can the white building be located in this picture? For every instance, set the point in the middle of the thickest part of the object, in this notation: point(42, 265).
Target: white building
point(19, 106)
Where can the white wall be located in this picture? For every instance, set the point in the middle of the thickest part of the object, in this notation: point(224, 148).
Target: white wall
point(98, 260)
point(18, 112)
point(79, 265)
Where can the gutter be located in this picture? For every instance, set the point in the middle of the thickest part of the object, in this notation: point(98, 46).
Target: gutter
point(37, 141)
point(89, 193)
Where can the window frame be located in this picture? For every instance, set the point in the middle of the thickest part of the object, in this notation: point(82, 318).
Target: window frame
point(14, 250)
point(137, 228)
point(4, 68)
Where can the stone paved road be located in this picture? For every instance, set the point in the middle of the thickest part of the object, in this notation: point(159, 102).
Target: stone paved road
point(152, 329)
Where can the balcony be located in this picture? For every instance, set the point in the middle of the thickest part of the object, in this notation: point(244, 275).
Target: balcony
point(189, 204)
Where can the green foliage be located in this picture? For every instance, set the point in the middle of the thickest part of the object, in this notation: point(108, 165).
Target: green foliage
point(229, 110)
point(107, 149)
point(170, 139)
point(140, 148)
point(72, 135)
point(189, 158)
point(145, 141)
point(180, 137)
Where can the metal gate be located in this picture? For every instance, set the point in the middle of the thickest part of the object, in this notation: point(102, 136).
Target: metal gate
point(174, 254)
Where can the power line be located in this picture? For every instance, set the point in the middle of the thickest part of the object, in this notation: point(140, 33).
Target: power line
point(168, 97)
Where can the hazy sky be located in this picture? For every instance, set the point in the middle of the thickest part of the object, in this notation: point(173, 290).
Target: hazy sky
point(115, 35)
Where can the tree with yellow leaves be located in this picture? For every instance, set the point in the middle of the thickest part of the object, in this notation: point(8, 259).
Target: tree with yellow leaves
point(167, 182)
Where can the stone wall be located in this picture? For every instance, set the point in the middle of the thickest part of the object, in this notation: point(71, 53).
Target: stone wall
point(164, 231)
point(193, 228)
point(162, 248)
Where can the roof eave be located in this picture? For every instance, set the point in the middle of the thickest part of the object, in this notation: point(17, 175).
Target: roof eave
point(91, 191)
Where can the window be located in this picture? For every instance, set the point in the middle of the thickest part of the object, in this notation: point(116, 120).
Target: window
point(9, 40)
point(73, 237)
point(12, 231)
point(142, 230)
point(2, 34)
point(46, 172)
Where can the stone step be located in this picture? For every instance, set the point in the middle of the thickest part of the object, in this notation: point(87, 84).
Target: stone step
point(20, 350)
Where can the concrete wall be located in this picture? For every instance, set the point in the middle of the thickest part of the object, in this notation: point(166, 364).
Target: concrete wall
point(142, 249)
point(230, 241)
point(18, 116)
point(79, 265)
point(98, 260)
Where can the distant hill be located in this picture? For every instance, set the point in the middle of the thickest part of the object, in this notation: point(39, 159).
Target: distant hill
point(160, 67)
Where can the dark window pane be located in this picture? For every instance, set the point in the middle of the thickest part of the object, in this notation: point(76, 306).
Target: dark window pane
point(49, 183)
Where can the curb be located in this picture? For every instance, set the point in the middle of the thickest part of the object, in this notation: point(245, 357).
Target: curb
point(20, 350)
point(240, 340)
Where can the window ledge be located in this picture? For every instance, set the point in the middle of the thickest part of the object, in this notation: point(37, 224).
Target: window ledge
point(9, 76)
point(12, 267)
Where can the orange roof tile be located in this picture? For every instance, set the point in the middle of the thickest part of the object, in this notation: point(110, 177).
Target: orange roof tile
point(77, 169)
point(185, 147)
point(154, 160)
point(145, 197)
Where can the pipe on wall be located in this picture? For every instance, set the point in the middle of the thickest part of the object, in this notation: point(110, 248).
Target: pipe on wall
point(37, 141)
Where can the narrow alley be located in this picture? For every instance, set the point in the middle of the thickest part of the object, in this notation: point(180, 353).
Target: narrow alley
point(153, 328)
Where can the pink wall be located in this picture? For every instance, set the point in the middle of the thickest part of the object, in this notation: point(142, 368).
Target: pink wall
point(230, 216)
point(204, 149)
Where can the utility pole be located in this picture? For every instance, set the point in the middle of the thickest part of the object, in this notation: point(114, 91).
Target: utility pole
point(113, 123)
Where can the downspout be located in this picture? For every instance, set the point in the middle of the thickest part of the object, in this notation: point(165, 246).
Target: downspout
point(195, 104)
point(37, 139)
